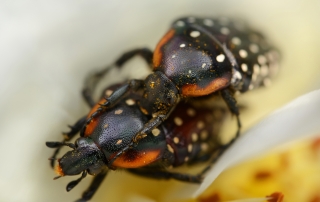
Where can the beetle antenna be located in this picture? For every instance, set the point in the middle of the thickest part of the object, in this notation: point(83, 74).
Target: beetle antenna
point(59, 144)
point(74, 183)
point(55, 178)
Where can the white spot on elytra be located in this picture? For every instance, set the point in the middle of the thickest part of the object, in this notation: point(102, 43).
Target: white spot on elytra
point(173, 56)
point(200, 125)
point(256, 69)
point(236, 41)
point(204, 147)
point(119, 142)
point(243, 53)
point(155, 132)
point(119, 111)
point(182, 45)
point(264, 70)
point(208, 22)
point(170, 149)
point(190, 148)
point(225, 30)
point(178, 121)
point(130, 102)
point(254, 77)
point(191, 112)
point(244, 67)
point(220, 58)
point(203, 65)
point(186, 159)
point(194, 34)
point(106, 125)
point(194, 137)
point(254, 48)
point(189, 71)
point(262, 59)
point(204, 135)
point(180, 23)
point(176, 140)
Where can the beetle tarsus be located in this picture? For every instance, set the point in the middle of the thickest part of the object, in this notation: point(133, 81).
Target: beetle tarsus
point(74, 183)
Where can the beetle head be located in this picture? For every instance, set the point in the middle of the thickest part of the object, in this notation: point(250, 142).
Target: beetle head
point(85, 156)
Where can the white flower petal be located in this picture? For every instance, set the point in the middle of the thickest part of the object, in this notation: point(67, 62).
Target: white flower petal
point(296, 120)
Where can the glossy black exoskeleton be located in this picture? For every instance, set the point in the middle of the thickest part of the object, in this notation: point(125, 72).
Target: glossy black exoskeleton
point(189, 135)
point(197, 57)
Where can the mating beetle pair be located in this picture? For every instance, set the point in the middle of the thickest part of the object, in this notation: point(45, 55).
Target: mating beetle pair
point(197, 57)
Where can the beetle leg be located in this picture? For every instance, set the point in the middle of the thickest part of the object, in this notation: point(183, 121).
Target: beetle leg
point(94, 185)
point(114, 98)
point(159, 174)
point(157, 119)
point(222, 149)
point(67, 136)
point(145, 53)
point(232, 105)
point(93, 79)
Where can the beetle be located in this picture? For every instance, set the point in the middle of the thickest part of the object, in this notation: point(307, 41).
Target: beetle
point(197, 57)
point(190, 135)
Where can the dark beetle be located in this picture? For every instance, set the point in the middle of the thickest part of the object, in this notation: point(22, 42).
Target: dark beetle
point(197, 57)
point(188, 136)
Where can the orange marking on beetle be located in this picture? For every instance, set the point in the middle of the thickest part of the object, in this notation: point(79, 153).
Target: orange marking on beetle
point(136, 159)
point(92, 125)
point(157, 54)
point(194, 90)
point(59, 170)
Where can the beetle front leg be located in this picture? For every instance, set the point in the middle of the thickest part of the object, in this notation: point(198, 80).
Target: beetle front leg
point(157, 119)
point(145, 53)
point(94, 185)
point(114, 98)
point(93, 79)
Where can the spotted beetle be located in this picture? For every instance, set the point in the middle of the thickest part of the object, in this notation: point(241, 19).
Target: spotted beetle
point(190, 135)
point(197, 57)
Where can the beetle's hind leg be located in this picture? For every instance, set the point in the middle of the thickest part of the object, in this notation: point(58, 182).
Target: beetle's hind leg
point(232, 105)
point(67, 136)
point(94, 185)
